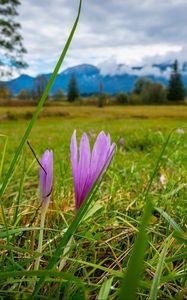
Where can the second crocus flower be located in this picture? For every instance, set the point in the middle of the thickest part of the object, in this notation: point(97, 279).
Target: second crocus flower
point(46, 181)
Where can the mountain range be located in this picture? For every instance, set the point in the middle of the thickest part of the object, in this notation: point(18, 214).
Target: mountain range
point(121, 78)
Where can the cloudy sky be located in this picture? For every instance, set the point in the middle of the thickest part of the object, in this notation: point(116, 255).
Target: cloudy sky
point(130, 32)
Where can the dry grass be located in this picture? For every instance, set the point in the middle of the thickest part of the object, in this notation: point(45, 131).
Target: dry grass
point(111, 112)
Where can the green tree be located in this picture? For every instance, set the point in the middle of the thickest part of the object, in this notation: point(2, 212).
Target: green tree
point(122, 98)
point(73, 90)
point(4, 93)
point(141, 84)
point(176, 90)
point(149, 92)
point(154, 93)
point(11, 41)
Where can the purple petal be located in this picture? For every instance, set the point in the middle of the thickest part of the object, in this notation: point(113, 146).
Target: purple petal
point(99, 154)
point(74, 162)
point(110, 155)
point(46, 177)
point(101, 157)
point(83, 166)
point(49, 167)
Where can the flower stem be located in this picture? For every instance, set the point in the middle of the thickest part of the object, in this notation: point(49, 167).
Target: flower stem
point(65, 256)
point(40, 241)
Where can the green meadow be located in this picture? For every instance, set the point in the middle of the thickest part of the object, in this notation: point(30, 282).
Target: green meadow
point(98, 256)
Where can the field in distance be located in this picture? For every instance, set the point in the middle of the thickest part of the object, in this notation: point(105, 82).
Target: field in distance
point(112, 112)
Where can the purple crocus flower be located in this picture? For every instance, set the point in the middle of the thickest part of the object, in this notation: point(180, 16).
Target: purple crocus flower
point(46, 177)
point(163, 179)
point(87, 166)
point(180, 131)
point(121, 141)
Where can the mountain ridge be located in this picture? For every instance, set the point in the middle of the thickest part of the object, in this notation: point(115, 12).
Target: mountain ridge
point(89, 76)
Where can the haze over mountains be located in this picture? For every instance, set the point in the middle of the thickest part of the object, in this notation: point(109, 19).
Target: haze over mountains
point(115, 78)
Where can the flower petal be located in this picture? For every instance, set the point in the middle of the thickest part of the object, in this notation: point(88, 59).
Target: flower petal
point(83, 166)
point(99, 155)
point(74, 161)
point(46, 176)
point(49, 169)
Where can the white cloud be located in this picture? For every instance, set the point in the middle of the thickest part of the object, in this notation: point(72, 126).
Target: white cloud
point(110, 67)
point(131, 32)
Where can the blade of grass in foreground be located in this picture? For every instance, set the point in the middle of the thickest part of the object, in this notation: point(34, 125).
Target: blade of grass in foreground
point(156, 279)
point(131, 277)
point(35, 115)
point(31, 273)
point(168, 219)
point(19, 193)
point(3, 153)
point(130, 282)
point(105, 289)
point(20, 230)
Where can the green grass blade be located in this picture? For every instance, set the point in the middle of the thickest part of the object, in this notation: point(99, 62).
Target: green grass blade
point(35, 115)
point(1, 167)
point(99, 267)
point(19, 193)
point(177, 257)
point(131, 277)
point(180, 236)
point(31, 273)
point(168, 219)
point(3, 154)
point(156, 279)
point(19, 230)
point(173, 277)
point(130, 282)
point(105, 289)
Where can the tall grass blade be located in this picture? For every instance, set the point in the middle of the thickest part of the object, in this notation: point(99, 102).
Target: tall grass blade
point(20, 230)
point(130, 282)
point(131, 277)
point(35, 115)
point(180, 236)
point(168, 219)
point(19, 193)
point(177, 257)
point(3, 154)
point(65, 275)
point(105, 289)
point(156, 279)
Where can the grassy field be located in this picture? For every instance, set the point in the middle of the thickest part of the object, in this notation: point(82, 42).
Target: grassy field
point(109, 112)
point(103, 243)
